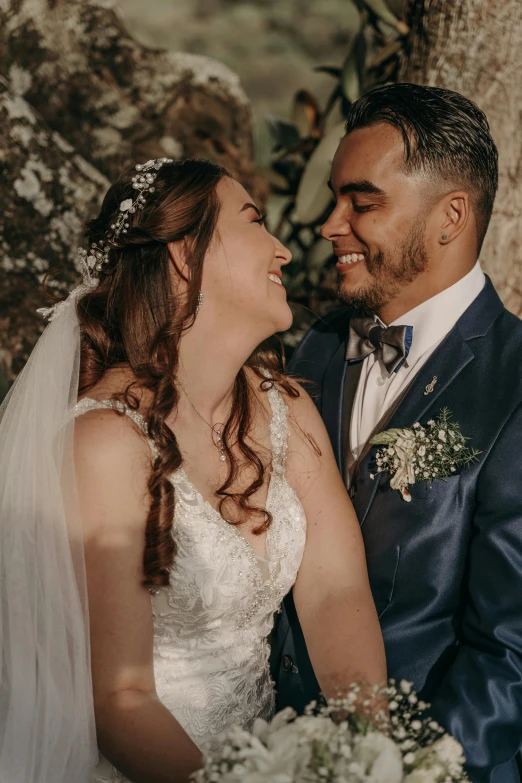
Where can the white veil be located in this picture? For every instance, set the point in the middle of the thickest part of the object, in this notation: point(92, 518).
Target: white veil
point(47, 732)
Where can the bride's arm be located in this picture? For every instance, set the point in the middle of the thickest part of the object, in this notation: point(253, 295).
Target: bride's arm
point(332, 593)
point(135, 731)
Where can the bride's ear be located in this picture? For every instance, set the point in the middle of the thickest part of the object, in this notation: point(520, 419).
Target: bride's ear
point(178, 256)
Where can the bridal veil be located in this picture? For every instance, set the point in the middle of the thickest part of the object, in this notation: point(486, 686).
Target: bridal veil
point(47, 731)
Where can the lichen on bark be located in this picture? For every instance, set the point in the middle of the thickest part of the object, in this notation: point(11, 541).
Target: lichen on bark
point(475, 48)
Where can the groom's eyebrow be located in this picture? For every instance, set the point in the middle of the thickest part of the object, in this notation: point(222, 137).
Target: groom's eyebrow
point(358, 186)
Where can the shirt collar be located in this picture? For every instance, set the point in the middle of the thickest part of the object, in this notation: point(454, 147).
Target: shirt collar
point(433, 319)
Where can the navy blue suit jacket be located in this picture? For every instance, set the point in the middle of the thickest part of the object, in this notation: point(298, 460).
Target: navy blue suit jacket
point(445, 569)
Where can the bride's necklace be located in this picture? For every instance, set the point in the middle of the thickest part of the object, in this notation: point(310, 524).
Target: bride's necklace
point(217, 429)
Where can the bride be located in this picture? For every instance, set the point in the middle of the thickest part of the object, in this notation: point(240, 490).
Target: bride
point(157, 467)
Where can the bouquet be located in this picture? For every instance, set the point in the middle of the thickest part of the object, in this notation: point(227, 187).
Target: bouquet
point(335, 743)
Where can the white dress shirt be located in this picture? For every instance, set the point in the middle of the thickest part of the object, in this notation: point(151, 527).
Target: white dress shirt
point(432, 320)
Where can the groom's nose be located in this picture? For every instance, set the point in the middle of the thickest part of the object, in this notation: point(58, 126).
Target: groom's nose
point(337, 225)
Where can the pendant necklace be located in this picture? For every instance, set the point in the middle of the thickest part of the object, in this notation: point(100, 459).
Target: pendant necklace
point(216, 429)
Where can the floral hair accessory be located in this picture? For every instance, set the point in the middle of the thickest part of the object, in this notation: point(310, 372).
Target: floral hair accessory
point(422, 453)
point(92, 261)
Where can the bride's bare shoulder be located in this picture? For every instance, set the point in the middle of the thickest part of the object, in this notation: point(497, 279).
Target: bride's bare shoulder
point(116, 381)
point(107, 442)
point(112, 463)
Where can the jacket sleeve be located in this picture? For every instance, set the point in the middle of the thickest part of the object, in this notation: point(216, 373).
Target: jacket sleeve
point(479, 700)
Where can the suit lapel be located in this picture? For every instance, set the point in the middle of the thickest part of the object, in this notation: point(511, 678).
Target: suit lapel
point(446, 364)
point(449, 359)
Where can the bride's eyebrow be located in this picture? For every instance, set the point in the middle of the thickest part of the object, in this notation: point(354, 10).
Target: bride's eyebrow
point(250, 206)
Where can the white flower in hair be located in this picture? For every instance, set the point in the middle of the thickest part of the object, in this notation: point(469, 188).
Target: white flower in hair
point(92, 261)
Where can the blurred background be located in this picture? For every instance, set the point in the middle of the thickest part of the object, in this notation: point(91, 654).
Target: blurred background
point(88, 87)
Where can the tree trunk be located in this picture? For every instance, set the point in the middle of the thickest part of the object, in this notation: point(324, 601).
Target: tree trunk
point(475, 48)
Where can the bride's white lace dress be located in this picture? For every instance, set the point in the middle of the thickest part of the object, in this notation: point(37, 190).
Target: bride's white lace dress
point(211, 624)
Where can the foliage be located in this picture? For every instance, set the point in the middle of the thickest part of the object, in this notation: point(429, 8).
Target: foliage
point(304, 149)
point(3, 385)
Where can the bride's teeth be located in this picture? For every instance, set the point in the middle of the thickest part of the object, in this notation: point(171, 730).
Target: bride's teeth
point(275, 279)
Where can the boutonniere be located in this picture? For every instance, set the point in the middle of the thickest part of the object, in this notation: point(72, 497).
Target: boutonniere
point(422, 453)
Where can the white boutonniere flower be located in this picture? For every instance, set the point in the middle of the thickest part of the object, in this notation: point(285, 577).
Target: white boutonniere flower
point(422, 453)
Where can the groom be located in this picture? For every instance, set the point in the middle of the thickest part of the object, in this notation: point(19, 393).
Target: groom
point(414, 181)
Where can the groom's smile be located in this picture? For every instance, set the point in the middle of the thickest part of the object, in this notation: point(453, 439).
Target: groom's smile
point(377, 225)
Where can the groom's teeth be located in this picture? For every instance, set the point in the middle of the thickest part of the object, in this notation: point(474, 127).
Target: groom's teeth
point(275, 279)
point(351, 258)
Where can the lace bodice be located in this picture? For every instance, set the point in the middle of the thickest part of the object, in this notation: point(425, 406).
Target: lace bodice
point(211, 624)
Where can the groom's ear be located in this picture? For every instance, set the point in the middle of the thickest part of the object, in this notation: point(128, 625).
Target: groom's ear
point(456, 212)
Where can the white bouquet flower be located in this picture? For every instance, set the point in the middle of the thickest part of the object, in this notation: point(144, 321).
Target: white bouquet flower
point(335, 743)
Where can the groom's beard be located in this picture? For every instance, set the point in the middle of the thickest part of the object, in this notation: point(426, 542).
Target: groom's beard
point(390, 273)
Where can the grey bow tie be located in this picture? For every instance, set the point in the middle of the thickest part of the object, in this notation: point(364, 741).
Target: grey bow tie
point(366, 336)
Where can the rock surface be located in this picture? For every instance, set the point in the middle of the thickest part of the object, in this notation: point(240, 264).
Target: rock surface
point(117, 101)
point(47, 191)
point(80, 100)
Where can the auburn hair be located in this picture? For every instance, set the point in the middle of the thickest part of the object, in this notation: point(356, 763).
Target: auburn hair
point(135, 318)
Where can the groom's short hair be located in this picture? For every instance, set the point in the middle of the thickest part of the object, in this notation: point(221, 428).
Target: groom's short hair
point(445, 135)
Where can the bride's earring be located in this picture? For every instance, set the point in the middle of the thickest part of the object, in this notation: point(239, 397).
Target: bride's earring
point(199, 302)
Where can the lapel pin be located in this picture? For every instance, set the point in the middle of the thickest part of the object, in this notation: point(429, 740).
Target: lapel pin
point(429, 388)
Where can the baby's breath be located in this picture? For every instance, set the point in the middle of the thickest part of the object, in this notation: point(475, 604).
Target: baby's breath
point(422, 453)
point(334, 742)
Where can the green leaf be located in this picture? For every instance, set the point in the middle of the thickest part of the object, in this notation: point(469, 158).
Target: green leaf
point(385, 438)
point(284, 133)
point(316, 258)
point(330, 70)
point(319, 254)
point(306, 114)
point(352, 20)
point(313, 194)
point(350, 78)
point(381, 9)
point(353, 69)
point(396, 7)
point(3, 385)
point(335, 114)
point(386, 53)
